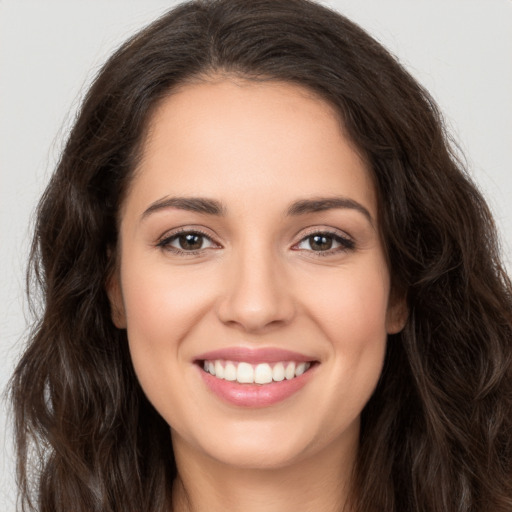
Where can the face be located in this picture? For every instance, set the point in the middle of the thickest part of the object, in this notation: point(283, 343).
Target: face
point(250, 249)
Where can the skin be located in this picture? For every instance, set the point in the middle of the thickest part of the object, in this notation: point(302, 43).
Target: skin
point(256, 282)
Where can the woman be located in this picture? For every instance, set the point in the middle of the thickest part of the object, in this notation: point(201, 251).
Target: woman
point(257, 238)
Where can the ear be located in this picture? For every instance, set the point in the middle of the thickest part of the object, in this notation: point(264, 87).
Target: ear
point(115, 297)
point(397, 314)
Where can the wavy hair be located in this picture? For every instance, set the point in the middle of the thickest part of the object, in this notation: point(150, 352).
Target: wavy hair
point(436, 436)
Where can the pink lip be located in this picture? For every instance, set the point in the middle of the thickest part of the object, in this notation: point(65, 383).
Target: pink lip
point(255, 395)
point(254, 355)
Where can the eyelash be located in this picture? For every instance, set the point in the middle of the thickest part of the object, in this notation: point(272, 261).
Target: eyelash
point(345, 243)
point(165, 243)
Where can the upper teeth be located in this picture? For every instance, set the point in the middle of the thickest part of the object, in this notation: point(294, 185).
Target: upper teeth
point(262, 373)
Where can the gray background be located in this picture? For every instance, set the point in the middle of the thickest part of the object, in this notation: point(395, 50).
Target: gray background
point(461, 50)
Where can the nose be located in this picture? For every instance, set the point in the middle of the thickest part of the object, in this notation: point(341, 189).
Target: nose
point(256, 295)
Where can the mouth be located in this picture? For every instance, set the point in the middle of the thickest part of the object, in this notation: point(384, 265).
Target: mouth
point(244, 372)
point(255, 377)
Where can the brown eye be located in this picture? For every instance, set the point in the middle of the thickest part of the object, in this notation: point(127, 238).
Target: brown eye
point(326, 243)
point(190, 241)
point(320, 242)
point(186, 241)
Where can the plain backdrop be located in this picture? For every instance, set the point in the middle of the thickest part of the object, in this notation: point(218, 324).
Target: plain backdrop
point(461, 50)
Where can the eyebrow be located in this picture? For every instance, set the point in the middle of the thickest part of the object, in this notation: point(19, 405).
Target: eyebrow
point(191, 204)
point(214, 207)
point(321, 204)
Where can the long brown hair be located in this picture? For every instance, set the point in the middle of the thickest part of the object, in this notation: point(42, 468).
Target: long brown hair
point(437, 433)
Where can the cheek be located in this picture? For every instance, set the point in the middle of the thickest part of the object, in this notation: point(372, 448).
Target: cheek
point(160, 301)
point(163, 306)
point(351, 315)
point(351, 307)
point(352, 319)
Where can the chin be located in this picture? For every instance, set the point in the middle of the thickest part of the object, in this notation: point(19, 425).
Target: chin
point(259, 454)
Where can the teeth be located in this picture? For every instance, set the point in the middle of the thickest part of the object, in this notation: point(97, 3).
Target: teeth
point(245, 373)
point(301, 368)
point(230, 371)
point(289, 373)
point(262, 373)
point(278, 372)
point(219, 370)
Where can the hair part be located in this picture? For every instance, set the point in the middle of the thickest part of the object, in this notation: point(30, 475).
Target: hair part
point(435, 435)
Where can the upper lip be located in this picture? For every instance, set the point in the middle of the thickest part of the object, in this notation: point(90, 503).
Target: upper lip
point(254, 355)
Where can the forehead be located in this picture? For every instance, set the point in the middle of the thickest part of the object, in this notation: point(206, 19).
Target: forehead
point(268, 141)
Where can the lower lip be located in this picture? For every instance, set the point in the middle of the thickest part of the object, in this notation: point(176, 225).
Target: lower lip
point(255, 395)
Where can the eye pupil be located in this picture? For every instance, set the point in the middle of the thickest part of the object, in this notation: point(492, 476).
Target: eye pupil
point(191, 241)
point(320, 242)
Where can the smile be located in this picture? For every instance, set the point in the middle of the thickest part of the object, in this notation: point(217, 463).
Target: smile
point(262, 373)
point(255, 377)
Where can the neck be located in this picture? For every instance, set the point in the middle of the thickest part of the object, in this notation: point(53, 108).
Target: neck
point(318, 483)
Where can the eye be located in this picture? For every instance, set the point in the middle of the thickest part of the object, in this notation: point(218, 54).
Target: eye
point(325, 242)
point(186, 242)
